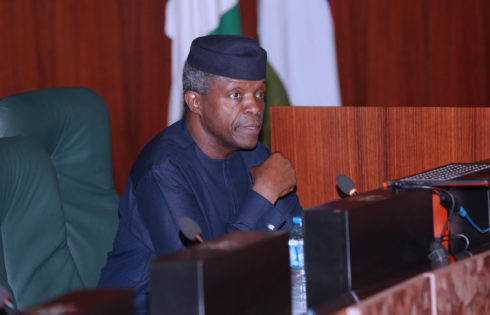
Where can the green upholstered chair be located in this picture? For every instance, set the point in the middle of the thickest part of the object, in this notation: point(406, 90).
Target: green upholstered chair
point(58, 205)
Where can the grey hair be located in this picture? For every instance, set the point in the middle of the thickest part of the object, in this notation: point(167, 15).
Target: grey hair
point(195, 80)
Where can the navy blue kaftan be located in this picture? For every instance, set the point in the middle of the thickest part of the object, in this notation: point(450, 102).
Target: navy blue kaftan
point(172, 178)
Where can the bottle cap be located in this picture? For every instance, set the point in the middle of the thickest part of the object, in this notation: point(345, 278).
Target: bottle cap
point(297, 220)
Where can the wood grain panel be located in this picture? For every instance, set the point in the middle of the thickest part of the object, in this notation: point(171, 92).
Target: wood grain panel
point(374, 144)
point(459, 52)
point(115, 47)
point(413, 53)
point(381, 52)
point(390, 53)
point(248, 15)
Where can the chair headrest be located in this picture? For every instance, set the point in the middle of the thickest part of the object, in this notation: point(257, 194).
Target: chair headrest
point(71, 123)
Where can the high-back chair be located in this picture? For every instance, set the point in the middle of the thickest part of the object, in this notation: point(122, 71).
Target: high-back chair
point(58, 205)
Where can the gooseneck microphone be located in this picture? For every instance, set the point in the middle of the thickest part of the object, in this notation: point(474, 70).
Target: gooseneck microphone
point(190, 229)
point(346, 185)
point(6, 302)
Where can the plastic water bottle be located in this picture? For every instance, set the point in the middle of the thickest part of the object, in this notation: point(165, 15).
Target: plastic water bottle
point(296, 262)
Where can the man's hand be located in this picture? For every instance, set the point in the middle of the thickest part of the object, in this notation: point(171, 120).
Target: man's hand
point(274, 178)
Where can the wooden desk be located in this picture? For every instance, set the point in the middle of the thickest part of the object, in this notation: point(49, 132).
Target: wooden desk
point(460, 288)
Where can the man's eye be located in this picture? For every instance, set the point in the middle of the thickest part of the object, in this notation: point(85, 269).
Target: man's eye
point(235, 95)
point(261, 95)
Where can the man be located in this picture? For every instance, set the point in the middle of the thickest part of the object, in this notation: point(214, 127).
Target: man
point(208, 167)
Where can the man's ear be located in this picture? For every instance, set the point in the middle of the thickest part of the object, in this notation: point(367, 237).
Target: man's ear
point(193, 101)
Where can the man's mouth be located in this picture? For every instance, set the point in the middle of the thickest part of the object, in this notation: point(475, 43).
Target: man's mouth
point(251, 128)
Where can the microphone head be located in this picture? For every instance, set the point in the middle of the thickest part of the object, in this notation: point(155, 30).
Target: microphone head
point(4, 294)
point(346, 185)
point(189, 228)
point(5, 299)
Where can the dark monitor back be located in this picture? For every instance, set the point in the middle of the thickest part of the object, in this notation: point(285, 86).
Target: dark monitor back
point(245, 272)
point(476, 201)
point(354, 246)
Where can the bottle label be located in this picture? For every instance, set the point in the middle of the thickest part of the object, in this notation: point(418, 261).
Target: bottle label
point(296, 257)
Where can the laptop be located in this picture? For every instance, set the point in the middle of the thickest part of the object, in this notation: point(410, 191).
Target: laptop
point(453, 174)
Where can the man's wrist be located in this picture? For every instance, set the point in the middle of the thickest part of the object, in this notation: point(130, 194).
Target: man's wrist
point(266, 193)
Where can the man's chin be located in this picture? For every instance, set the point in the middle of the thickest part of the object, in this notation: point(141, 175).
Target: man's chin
point(248, 144)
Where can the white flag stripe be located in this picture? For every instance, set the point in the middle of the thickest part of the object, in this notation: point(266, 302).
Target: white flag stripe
point(299, 39)
point(184, 21)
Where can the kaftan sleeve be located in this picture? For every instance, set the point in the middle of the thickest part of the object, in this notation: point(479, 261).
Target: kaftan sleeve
point(163, 198)
point(257, 213)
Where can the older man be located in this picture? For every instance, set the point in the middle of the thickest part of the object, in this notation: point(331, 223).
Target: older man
point(209, 167)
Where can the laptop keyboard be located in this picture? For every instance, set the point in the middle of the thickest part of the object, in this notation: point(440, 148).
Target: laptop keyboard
point(447, 172)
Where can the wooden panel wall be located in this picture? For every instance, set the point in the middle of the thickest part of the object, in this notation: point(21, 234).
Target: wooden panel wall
point(413, 53)
point(389, 53)
point(459, 52)
point(115, 47)
point(374, 144)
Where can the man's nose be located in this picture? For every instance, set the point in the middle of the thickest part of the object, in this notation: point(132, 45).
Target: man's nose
point(253, 105)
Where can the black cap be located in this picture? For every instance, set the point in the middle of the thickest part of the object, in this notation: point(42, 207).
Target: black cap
point(232, 56)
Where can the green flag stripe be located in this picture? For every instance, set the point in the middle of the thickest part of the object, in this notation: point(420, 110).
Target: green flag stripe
point(229, 23)
point(276, 95)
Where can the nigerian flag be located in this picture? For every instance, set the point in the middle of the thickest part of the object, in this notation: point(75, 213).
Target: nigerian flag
point(186, 20)
point(298, 36)
point(299, 39)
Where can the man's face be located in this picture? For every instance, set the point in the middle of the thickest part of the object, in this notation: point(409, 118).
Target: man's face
point(232, 113)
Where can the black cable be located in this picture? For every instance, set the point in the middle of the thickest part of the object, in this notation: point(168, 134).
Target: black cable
point(438, 253)
point(455, 237)
point(433, 188)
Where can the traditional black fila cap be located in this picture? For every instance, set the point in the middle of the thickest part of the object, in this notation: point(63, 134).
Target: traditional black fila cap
point(231, 56)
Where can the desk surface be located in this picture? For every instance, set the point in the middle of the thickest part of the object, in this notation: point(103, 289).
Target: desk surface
point(461, 287)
